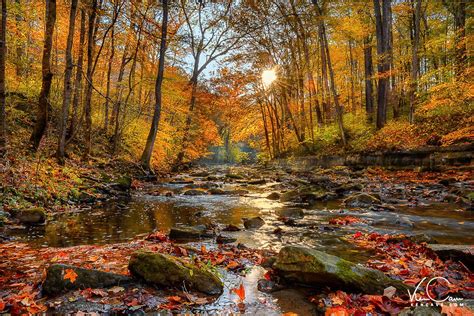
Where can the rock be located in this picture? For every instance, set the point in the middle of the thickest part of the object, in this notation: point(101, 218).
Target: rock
point(404, 222)
point(257, 181)
point(315, 268)
point(182, 181)
point(231, 228)
point(238, 192)
point(254, 222)
point(225, 239)
point(200, 174)
point(55, 283)
point(268, 262)
point(268, 286)
point(124, 183)
point(234, 176)
point(291, 213)
point(451, 198)
point(348, 187)
point(195, 192)
point(169, 271)
point(421, 311)
point(34, 215)
point(189, 233)
point(273, 196)
point(463, 253)
point(382, 208)
point(361, 200)
point(303, 196)
point(217, 191)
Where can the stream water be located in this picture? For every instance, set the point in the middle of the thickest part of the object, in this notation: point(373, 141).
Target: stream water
point(149, 210)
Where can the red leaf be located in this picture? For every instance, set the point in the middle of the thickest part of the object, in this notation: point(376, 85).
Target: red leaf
point(357, 235)
point(240, 291)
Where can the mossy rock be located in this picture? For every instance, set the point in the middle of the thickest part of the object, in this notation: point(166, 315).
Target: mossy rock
point(253, 223)
point(34, 215)
point(165, 270)
point(315, 268)
point(293, 212)
point(55, 283)
point(361, 200)
point(190, 233)
point(273, 196)
point(124, 183)
point(234, 176)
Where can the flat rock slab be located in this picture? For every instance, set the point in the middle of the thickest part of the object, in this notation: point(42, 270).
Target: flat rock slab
point(166, 270)
point(315, 268)
point(55, 282)
point(463, 253)
point(189, 233)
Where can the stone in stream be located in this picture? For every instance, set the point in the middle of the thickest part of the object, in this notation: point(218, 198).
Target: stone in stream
point(294, 213)
point(361, 200)
point(303, 196)
point(34, 215)
point(190, 233)
point(254, 222)
point(169, 271)
point(404, 222)
point(231, 228)
point(55, 283)
point(273, 196)
point(257, 181)
point(315, 268)
point(463, 253)
point(124, 183)
point(234, 176)
point(217, 191)
point(195, 192)
point(199, 174)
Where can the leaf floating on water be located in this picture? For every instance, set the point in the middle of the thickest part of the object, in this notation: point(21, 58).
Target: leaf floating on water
point(240, 291)
point(70, 275)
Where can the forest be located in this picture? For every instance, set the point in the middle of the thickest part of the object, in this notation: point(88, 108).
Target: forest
point(269, 157)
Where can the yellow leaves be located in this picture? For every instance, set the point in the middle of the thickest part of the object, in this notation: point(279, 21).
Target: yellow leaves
point(70, 275)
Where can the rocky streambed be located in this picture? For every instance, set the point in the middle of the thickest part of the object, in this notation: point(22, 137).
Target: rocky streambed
point(302, 222)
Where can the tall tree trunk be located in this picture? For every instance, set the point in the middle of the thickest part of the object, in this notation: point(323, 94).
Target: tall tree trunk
point(3, 54)
point(383, 34)
point(369, 73)
point(43, 103)
point(147, 153)
point(109, 74)
point(90, 53)
point(20, 48)
point(67, 83)
point(414, 60)
point(78, 80)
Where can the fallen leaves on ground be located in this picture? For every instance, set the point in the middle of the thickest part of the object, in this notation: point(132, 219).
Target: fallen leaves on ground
point(345, 220)
point(70, 275)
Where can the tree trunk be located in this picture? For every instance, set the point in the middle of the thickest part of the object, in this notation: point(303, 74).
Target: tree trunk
point(88, 99)
point(109, 74)
point(67, 83)
point(147, 153)
point(383, 34)
point(42, 113)
point(20, 48)
point(3, 54)
point(78, 81)
point(369, 73)
point(414, 60)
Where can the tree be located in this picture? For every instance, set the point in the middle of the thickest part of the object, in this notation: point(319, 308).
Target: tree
point(67, 84)
point(43, 102)
point(369, 73)
point(147, 152)
point(383, 26)
point(458, 9)
point(3, 54)
point(212, 36)
point(414, 60)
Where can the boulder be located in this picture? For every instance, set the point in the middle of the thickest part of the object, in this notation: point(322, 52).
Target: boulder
point(303, 196)
point(200, 174)
point(315, 268)
point(189, 233)
point(361, 200)
point(217, 191)
point(404, 222)
point(124, 183)
point(34, 215)
point(273, 196)
point(234, 176)
point(295, 213)
point(254, 222)
point(195, 192)
point(257, 181)
point(463, 253)
point(168, 271)
point(56, 283)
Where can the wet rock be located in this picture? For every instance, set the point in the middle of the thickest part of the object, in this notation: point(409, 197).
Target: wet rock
point(225, 239)
point(231, 228)
point(451, 198)
point(303, 196)
point(295, 213)
point(238, 192)
point(217, 191)
point(168, 193)
point(189, 233)
point(182, 181)
point(463, 253)
point(273, 196)
point(382, 208)
point(124, 183)
point(404, 222)
point(234, 176)
point(257, 181)
point(268, 262)
point(254, 222)
point(361, 200)
point(348, 187)
point(268, 286)
point(34, 215)
point(200, 174)
point(55, 283)
point(319, 180)
point(168, 271)
point(447, 181)
point(195, 192)
point(315, 268)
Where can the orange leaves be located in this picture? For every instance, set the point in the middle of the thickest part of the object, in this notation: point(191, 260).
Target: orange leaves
point(70, 275)
point(345, 220)
point(337, 311)
point(240, 291)
point(157, 236)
